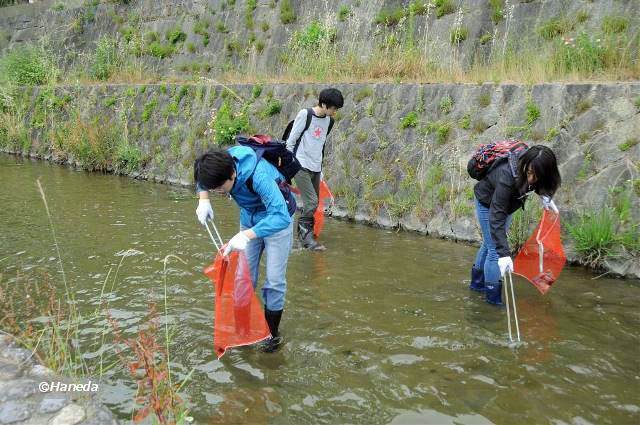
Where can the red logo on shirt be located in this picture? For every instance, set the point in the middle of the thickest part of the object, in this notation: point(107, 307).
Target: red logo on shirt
point(317, 132)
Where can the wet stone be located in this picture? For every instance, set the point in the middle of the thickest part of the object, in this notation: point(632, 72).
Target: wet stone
point(70, 415)
point(14, 390)
point(17, 354)
point(9, 370)
point(12, 412)
point(39, 371)
point(5, 341)
point(100, 417)
point(52, 404)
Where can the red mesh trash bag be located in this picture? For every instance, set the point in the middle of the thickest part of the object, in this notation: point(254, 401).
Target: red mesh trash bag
point(239, 318)
point(318, 217)
point(542, 258)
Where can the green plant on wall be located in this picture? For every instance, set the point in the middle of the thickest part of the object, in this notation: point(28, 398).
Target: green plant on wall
point(555, 27)
point(256, 91)
point(465, 122)
point(532, 112)
point(149, 107)
point(409, 120)
point(228, 123)
point(28, 65)
point(176, 35)
point(202, 28)
point(343, 13)
point(628, 144)
point(389, 16)
point(363, 93)
point(594, 235)
point(444, 7)
point(441, 129)
point(522, 224)
point(287, 14)
point(127, 158)
point(614, 24)
point(446, 104)
point(273, 107)
point(458, 35)
point(106, 58)
point(587, 165)
point(497, 10)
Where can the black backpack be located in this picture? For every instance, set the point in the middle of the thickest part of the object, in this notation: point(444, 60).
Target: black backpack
point(287, 130)
point(276, 153)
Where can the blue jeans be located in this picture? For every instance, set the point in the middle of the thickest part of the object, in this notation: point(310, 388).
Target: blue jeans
point(277, 248)
point(487, 257)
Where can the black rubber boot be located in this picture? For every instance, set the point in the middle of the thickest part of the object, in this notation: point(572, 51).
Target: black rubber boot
point(273, 320)
point(477, 280)
point(305, 233)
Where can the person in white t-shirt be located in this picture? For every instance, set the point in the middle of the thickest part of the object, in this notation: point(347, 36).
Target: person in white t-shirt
point(307, 140)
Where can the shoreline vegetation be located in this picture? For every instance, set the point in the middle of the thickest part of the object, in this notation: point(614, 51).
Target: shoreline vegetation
point(46, 321)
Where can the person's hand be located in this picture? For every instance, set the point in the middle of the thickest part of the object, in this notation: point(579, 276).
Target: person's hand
point(204, 211)
point(237, 243)
point(548, 204)
point(505, 263)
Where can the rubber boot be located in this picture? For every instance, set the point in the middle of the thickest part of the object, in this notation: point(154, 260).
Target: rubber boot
point(494, 293)
point(305, 233)
point(477, 280)
point(273, 320)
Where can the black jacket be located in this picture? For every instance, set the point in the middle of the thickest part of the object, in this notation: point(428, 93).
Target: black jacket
point(498, 191)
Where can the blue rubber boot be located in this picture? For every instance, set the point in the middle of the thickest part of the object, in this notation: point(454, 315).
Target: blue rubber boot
point(494, 293)
point(477, 280)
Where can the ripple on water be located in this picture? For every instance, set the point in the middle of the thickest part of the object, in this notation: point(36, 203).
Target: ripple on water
point(435, 417)
point(404, 359)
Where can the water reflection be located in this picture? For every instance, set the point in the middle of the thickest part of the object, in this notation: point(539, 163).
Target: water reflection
point(380, 328)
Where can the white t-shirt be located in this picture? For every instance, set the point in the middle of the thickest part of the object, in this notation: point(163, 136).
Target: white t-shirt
point(309, 151)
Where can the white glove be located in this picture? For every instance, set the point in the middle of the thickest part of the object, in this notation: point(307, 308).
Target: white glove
point(204, 211)
point(505, 263)
point(547, 203)
point(237, 243)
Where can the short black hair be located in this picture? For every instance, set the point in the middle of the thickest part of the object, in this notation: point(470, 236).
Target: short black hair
point(213, 168)
point(331, 97)
point(543, 163)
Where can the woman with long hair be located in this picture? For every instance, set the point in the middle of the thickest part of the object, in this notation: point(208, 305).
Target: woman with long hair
point(498, 195)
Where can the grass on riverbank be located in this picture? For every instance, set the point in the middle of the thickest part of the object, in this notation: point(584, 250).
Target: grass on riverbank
point(48, 323)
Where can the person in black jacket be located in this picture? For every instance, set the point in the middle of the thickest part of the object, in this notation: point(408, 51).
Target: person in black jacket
point(505, 189)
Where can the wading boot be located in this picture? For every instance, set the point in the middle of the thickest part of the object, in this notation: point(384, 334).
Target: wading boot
point(305, 234)
point(477, 280)
point(494, 293)
point(273, 320)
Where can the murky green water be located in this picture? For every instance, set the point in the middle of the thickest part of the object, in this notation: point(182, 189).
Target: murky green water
point(379, 328)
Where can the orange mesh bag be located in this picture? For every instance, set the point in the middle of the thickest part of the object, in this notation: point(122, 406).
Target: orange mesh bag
point(542, 258)
point(318, 216)
point(239, 318)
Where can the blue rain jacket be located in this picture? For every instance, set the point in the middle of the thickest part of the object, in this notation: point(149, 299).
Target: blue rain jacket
point(264, 211)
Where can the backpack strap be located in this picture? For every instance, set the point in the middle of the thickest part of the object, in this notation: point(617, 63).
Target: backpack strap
point(249, 182)
point(307, 124)
point(331, 121)
point(306, 127)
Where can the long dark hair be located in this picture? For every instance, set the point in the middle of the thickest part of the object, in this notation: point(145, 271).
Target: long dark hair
point(543, 163)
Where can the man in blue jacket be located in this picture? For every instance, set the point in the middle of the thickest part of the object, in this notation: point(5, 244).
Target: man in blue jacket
point(265, 223)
